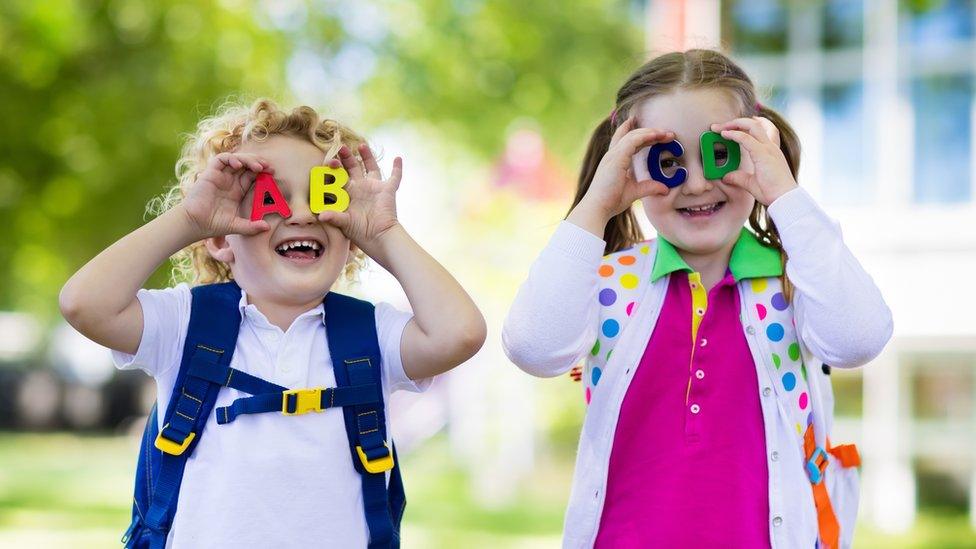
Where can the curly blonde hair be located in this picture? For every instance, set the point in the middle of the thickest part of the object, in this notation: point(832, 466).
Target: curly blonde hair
point(234, 124)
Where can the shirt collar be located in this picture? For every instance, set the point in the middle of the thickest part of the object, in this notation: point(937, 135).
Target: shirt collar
point(250, 310)
point(749, 259)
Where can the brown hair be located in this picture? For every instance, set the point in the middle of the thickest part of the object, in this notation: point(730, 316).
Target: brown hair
point(233, 125)
point(695, 68)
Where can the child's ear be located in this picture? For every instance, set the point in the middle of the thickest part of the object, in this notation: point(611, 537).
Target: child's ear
point(220, 249)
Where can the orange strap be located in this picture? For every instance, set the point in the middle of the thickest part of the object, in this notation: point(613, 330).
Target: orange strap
point(827, 523)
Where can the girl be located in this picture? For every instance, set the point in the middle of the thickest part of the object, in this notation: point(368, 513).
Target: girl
point(706, 349)
point(265, 480)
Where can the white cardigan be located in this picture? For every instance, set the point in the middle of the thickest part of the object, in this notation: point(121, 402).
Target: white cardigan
point(841, 320)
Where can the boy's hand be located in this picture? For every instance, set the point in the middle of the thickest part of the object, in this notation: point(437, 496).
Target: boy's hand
point(372, 199)
point(763, 171)
point(214, 200)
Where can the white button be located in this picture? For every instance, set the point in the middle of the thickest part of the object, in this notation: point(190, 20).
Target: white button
point(695, 408)
point(774, 456)
point(767, 391)
point(700, 374)
point(777, 521)
point(704, 342)
point(750, 330)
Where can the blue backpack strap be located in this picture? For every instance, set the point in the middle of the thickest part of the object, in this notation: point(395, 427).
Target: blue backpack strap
point(210, 340)
point(351, 333)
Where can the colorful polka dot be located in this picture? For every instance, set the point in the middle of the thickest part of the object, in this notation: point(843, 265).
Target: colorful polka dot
point(758, 285)
point(605, 270)
point(794, 351)
point(761, 310)
point(611, 327)
point(629, 281)
point(596, 348)
point(789, 381)
point(776, 360)
point(644, 249)
point(608, 297)
point(588, 395)
point(626, 260)
point(803, 401)
point(595, 375)
point(630, 307)
point(775, 331)
point(779, 302)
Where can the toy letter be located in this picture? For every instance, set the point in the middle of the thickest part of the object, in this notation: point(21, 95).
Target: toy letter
point(709, 167)
point(325, 190)
point(268, 198)
point(654, 163)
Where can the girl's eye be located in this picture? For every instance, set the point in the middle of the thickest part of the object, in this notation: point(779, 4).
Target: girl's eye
point(669, 166)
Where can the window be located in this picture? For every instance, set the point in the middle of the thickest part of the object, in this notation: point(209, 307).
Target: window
point(843, 24)
point(943, 136)
point(755, 26)
point(845, 157)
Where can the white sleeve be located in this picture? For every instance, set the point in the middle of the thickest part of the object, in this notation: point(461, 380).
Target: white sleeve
point(166, 316)
point(552, 322)
point(841, 316)
point(390, 323)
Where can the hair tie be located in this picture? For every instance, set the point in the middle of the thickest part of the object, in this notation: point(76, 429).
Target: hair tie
point(759, 106)
point(613, 117)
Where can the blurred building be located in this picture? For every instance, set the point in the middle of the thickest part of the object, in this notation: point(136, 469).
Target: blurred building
point(881, 93)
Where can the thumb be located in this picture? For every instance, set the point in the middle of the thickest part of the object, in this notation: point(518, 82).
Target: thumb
point(650, 187)
point(738, 178)
point(247, 227)
point(337, 219)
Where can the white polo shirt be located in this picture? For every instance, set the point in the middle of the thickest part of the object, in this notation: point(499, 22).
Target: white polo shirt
point(266, 480)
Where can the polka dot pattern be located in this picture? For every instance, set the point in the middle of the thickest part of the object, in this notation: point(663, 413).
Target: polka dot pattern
point(776, 322)
point(619, 282)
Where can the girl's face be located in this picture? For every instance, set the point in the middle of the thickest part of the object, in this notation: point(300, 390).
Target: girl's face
point(260, 264)
point(700, 216)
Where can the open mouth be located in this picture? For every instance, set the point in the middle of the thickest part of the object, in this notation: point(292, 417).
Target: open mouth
point(703, 210)
point(300, 249)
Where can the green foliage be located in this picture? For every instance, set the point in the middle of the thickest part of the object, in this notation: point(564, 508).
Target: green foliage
point(474, 68)
point(94, 97)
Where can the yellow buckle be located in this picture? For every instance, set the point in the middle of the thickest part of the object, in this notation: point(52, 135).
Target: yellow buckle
point(377, 465)
point(306, 400)
point(170, 447)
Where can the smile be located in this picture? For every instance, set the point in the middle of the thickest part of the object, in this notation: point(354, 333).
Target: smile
point(703, 210)
point(301, 250)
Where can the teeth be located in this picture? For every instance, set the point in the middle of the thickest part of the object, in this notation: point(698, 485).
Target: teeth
point(298, 244)
point(701, 208)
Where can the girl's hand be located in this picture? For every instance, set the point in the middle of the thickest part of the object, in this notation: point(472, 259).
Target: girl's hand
point(763, 170)
point(214, 200)
point(372, 199)
point(614, 187)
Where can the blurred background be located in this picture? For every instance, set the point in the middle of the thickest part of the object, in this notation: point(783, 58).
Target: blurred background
point(490, 102)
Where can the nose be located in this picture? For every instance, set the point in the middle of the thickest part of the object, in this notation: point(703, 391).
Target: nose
point(696, 183)
point(301, 213)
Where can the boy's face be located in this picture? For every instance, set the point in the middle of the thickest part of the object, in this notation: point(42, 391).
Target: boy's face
point(262, 265)
point(689, 113)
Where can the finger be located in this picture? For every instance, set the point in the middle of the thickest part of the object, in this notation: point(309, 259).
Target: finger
point(247, 227)
point(747, 140)
point(642, 137)
point(397, 173)
point(337, 219)
point(748, 125)
point(334, 163)
point(771, 130)
point(369, 161)
point(623, 129)
point(350, 163)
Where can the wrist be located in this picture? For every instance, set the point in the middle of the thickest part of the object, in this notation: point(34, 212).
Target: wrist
point(774, 194)
point(591, 217)
point(380, 246)
point(183, 226)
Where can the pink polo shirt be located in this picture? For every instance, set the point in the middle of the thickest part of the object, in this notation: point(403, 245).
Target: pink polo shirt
point(688, 464)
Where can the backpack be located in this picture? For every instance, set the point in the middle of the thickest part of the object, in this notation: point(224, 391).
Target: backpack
point(205, 367)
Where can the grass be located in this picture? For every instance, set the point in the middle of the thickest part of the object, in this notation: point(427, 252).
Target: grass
point(68, 490)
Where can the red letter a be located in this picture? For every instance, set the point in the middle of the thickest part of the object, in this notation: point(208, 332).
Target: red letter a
point(267, 198)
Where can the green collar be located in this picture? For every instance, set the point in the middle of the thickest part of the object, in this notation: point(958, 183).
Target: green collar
point(750, 259)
